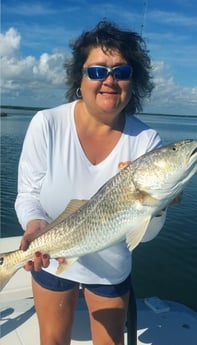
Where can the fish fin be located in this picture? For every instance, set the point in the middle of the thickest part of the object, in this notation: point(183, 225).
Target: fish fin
point(147, 199)
point(72, 207)
point(134, 237)
point(4, 281)
point(64, 265)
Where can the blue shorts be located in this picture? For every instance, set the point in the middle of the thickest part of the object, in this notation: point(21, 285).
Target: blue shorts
point(54, 283)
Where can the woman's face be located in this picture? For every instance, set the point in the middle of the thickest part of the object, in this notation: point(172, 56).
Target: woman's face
point(109, 95)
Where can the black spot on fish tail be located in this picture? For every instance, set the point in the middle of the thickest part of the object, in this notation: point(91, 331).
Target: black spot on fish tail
point(1, 260)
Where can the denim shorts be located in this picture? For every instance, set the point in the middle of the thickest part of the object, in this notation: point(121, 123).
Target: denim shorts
point(54, 283)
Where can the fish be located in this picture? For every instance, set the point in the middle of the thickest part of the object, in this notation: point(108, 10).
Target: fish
point(120, 210)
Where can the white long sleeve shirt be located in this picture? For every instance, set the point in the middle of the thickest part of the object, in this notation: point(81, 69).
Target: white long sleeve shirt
point(54, 169)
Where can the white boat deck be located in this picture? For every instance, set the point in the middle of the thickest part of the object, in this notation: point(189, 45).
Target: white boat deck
point(164, 323)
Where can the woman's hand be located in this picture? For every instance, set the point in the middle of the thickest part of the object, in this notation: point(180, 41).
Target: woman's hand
point(34, 228)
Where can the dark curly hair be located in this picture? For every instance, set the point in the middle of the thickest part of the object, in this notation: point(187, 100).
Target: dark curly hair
point(109, 36)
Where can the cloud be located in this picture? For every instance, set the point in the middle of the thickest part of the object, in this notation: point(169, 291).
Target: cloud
point(29, 9)
point(173, 18)
point(169, 97)
point(9, 43)
point(38, 79)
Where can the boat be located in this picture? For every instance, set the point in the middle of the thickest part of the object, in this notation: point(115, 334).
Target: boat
point(159, 322)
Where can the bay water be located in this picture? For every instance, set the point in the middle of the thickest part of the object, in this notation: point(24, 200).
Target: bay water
point(166, 266)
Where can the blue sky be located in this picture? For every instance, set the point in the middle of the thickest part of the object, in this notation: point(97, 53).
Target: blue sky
point(35, 38)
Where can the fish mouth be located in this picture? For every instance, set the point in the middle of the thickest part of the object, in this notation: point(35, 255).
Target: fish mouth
point(193, 152)
point(193, 155)
point(192, 159)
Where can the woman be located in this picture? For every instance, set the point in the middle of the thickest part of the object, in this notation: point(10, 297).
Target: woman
point(69, 152)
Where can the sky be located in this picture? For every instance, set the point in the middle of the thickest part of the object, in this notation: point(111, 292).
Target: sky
point(35, 37)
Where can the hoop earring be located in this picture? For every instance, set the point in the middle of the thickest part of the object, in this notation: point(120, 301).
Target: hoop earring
point(78, 93)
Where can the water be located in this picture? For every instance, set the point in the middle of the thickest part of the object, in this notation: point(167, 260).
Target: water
point(13, 128)
point(166, 266)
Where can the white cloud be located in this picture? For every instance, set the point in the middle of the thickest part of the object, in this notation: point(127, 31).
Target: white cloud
point(9, 43)
point(168, 96)
point(50, 68)
point(173, 18)
point(29, 9)
point(41, 80)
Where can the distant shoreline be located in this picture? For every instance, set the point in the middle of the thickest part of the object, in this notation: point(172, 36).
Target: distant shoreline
point(42, 108)
point(18, 107)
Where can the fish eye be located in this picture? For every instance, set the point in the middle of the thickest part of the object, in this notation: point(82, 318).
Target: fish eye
point(1, 261)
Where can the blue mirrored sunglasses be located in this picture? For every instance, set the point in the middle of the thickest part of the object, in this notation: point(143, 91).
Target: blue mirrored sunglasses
point(121, 72)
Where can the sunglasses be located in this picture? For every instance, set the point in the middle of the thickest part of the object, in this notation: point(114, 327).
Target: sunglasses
point(121, 72)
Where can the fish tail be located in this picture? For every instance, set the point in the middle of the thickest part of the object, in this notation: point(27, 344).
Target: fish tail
point(4, 280)
point(7, 268)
